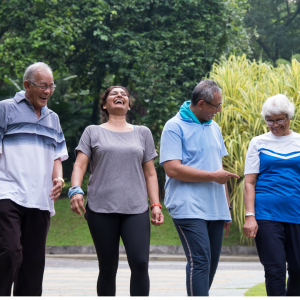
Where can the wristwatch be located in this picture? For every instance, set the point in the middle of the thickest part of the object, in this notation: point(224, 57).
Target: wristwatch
point(62, 180)
point(230, 207)
point(249, 214)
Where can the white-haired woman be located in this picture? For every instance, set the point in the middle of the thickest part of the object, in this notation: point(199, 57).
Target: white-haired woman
point(272, 197)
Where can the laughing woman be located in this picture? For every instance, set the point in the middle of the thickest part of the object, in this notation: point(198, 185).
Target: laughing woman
point(272, 197)
point(121, 158)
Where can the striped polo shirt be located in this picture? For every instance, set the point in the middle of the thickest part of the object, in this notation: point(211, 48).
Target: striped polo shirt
point(28, 148)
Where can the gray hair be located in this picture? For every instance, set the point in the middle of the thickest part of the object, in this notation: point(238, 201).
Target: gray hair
point(205, 90)
point(30, 71)
point(276, 105)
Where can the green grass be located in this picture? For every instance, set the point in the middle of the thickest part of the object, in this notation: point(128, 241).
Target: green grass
point(68, 228)
point(258, 290)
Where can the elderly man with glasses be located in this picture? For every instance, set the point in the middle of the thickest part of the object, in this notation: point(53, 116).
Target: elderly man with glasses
point(32, 147)
point(196, 195)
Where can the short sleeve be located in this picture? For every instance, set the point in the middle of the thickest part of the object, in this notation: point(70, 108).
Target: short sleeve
point(60, 150)
point(85, 143)
point(150, 152)
point(3, 127)
point(171, 143)
point(252, 163)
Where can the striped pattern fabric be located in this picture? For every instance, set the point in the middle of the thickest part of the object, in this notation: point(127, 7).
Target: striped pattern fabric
point(28, 148)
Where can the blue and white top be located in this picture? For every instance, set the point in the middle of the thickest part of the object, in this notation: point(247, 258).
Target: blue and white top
point(200, 146)
point(276, 160)
point(28, 148)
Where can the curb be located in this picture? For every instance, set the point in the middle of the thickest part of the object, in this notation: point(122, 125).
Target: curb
point(153, 257)
point(154, 249)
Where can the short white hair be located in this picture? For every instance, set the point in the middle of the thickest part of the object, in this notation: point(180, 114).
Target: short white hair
point(276, 105)
point(30, 71)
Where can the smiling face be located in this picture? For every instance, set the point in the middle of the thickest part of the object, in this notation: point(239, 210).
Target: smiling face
point(281, 129)
point(117, 102)
point(206, 111)
point(34, 94)
point(210, 109)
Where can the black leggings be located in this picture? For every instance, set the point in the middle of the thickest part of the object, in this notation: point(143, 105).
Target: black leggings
point(106, 230)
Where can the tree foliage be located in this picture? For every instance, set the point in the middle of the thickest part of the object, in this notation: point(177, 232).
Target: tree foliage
point(277, 23)
point(158, 49)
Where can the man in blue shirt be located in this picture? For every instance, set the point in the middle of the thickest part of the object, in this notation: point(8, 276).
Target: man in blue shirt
point(32, 147)
point(196, 194)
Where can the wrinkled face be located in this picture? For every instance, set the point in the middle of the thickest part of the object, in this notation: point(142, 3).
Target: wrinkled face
point(35, 95)
point(279, 124)
point(210, 109)
point(117, 102)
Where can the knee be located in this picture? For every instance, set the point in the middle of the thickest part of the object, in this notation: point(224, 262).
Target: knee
point(275, 270)
point(11, 257)
point(139, 266)
point(108, 271)
point(199, 260)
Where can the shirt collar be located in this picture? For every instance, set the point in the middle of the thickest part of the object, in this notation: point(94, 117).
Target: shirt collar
point(20, 96)
point(178, 115)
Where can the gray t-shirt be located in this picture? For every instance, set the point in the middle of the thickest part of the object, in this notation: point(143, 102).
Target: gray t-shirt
point(117, 183)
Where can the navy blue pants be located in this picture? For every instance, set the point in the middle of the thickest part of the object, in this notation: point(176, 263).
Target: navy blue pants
point(202, 243)
point(278, 243)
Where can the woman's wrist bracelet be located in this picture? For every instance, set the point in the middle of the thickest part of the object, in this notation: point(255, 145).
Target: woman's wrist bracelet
point(249, 214)
point(75, 190)
point(155, 204)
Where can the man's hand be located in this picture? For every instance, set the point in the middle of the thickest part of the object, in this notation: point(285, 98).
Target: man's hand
point(56, 190)
point(227, 228)
point(157, 216)
point(250, 227)
point(77, 201)
point(222, 176)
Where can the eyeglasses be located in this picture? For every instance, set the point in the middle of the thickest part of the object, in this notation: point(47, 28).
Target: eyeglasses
point(44, 87)
point(217, 107)
point(279, 122)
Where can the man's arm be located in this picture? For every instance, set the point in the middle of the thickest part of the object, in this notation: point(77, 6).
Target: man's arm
point(57, 183)
point(175, 169)
point(227, 224)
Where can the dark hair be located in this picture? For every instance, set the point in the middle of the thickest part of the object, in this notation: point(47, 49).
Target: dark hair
point(104, 96)
point(205, 90)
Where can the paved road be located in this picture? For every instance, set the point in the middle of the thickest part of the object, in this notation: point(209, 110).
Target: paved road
point(68, 277)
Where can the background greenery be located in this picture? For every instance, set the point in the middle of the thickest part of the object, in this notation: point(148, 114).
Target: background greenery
point(275, 29)
point(258, 290)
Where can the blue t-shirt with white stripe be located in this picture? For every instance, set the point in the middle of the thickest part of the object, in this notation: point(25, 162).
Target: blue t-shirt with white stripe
point(276, 160)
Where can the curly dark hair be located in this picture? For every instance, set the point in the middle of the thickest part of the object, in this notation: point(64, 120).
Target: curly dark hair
point(104, 96)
